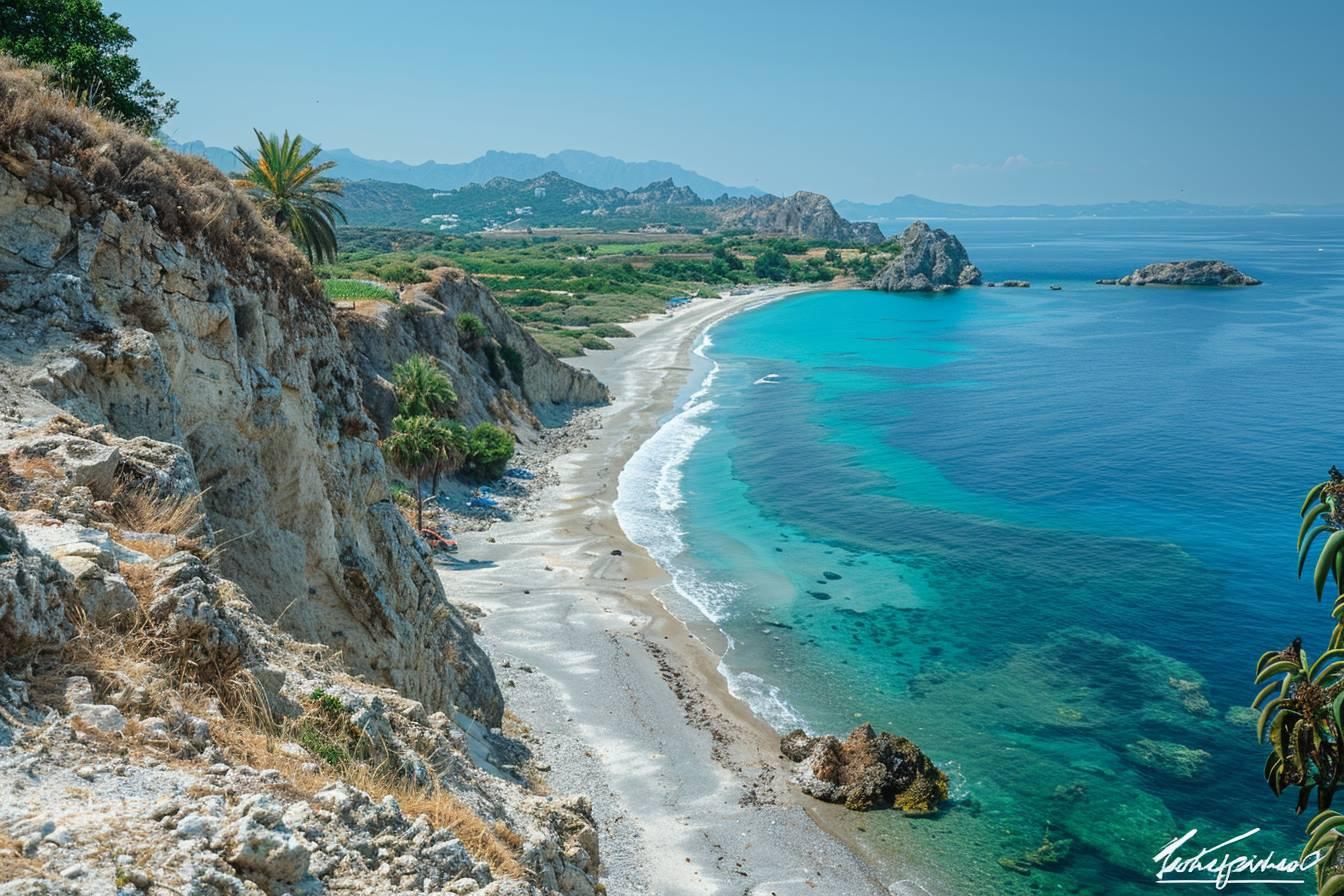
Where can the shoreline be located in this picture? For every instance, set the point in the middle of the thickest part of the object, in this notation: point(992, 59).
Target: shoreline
point(617, 696)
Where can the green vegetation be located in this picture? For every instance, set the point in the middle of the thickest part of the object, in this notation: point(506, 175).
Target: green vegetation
point(423, 389)
point(489, 449)
point(1303, 699)
point(85, 48)
point(290, 190)
point(412, 448)
point(470, 330)
point(513, 359)
point(338, 290)
point(771, 265)
point(564, 288)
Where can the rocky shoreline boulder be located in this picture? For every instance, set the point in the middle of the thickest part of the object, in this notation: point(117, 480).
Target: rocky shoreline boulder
point(931, 260)
point(1187, 273)
point(865, 771)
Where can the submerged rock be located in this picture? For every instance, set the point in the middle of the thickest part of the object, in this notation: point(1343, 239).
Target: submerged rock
point(930, 261)
point(867, 770)
point(1175, 759)
point(1188, 273)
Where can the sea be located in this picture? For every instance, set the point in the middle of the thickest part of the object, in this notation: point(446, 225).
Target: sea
point(1045, 534)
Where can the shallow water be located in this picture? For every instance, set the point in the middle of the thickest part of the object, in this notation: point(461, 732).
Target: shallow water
point(1033, 531)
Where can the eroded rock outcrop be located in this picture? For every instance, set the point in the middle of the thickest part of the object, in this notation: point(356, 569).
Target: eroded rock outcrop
point(1188, 273)
point(140, 292)
point(930, 261)
point(808, 215)
point(867, 770)
point(533, 389)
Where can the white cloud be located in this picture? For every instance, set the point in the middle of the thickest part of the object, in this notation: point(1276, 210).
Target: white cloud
point(1015, 162)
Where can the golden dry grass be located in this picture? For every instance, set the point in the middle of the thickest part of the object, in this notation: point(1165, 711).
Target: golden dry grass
point(14, 864)
point(492, 843)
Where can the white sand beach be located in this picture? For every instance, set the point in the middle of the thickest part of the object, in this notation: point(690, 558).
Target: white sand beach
point(624, 701)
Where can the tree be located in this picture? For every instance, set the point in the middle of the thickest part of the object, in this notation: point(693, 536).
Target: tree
point(449, 440)
point(291, 191)
point(489, 448)
point(423, 389)
point(1303, 698)
point(771, 265)
point(85, 48)
point(412, 448)
point(728, 258)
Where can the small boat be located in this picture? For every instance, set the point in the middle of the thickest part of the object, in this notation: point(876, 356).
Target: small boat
point(1055, 288)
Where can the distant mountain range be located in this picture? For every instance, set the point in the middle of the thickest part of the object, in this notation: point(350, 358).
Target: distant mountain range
point(904, 209)
point(585, 167)
point(607, 173)
point(553, 200)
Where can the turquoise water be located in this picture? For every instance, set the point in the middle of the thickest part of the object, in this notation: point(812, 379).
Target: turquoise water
point(1033, 531)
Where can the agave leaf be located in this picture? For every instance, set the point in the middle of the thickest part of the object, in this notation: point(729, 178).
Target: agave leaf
point(1326, 561)
point(1304, 546)
point(1320, 832)
point(1328, 655)
point(1322, 816)
point(1334, 885)
point(1269, 655)
point(1313, 495)
point(1266, 714)
point(1277, 668)
point(1268, 689)
point(1309, 518)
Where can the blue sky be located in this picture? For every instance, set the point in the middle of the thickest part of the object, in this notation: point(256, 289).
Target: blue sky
point(960, 101)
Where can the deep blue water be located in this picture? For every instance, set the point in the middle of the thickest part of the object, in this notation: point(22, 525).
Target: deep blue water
point(1043, 534)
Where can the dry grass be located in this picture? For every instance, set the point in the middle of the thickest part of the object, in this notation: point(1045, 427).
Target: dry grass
point(14, 864)
point(27, 482)
point(109, 166)
point(140, 510)
point(492, 843)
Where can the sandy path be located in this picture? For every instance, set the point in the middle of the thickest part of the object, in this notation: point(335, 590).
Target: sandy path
point(625, 702)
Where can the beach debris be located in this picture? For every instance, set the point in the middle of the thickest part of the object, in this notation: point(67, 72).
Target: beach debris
point(865, 771)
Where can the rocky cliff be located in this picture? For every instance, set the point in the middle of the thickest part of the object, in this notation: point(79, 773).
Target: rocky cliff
point(533, 389)
point(232, 376)
point(807, 215)
point(200, 564)
point(1188, 273)
point(930, 261)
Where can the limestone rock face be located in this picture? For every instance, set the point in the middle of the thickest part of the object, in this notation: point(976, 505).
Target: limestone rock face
point(803, 214)
point(34, 590)
point(212, 365)
point(930, 261)
point(487, 388)
point(866, 771)
point(1188, 273)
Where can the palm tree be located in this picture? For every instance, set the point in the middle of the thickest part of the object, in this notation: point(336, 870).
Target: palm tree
point(413, 447)
point(450, 445)
point(289, 189)
point(423, 389)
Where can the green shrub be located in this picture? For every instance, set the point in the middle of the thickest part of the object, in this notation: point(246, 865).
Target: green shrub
point(513, 359)
point(470, 330)
point(402, 272)
point(489, 448)
point(610, 331)
point(597, 343)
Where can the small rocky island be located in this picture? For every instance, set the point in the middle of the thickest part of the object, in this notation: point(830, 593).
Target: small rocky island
point(1186, 273)
point(931, 260)
point(865, 771)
